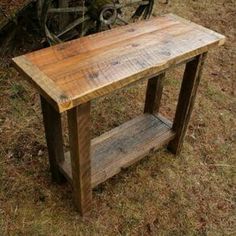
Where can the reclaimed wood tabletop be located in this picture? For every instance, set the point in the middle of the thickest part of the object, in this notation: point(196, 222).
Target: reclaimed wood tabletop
point(80, 70)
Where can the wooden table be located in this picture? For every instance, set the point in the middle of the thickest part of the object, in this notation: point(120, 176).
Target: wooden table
point(69, 75)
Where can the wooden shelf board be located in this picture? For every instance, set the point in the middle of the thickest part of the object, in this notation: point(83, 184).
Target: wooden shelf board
point(123, 146)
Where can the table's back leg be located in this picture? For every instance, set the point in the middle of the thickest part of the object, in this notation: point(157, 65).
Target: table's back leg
point(79, 137)
point(186, 100)
point(154, 94)
point(54, 138)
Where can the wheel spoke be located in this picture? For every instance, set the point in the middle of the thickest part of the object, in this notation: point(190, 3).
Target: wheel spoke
point(67, 10)
point(139, 11)
point(131, 2)
point(86, 27)
point(122, 20)
point(63, 21)
point(52, 38)
point(73, 25)
point(148, 10)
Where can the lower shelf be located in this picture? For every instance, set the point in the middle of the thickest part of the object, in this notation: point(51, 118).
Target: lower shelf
point(123, 146)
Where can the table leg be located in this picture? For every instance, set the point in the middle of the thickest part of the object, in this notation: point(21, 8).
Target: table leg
point(79, 137)
point(186, 100)
point(154, 94)
point(54, 138)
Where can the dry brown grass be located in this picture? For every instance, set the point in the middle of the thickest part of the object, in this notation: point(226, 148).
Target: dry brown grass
point(192, 194)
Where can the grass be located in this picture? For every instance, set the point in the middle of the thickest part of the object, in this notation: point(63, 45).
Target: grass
point(192, 194)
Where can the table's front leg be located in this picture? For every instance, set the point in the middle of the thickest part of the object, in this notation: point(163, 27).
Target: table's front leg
point(54, 138)
point(186, 100)
point(79, 137)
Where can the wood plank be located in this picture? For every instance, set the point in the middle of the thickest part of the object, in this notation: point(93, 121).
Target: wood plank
point(93, 66)
point(95, 41)
point(54, 138)
point(79, 137)
point(199, 27)
point(186, 101)
point(46, 87)
point(154, 94)
point(123, 146)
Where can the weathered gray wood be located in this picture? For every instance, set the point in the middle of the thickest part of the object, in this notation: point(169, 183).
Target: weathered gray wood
point(186, 100)
point(123, 146)
point(154, 94)
point(79, 137)
point(54, 138)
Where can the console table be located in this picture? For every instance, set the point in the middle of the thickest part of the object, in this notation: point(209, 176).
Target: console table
point(69, 75)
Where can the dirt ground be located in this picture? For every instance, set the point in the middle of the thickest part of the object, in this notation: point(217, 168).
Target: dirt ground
point(191, 194)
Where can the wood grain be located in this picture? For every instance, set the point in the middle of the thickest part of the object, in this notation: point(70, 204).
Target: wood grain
point(123, 146)
point(154, 94)
point(79, 138)
point(93, 66)
point(46, 87)
point(186, 101)
point(54, 138)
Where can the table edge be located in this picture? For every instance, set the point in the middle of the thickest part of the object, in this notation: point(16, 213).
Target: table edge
point(63, 102)
point(44, 85)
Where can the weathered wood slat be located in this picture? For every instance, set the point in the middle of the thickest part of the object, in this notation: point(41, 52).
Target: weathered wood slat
point(154, 94)
point(95, 41)
point(93, 66)
point(79, 137)
point(54, 138)
point(123, 146)
point(47, 87)
point(188, 92)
